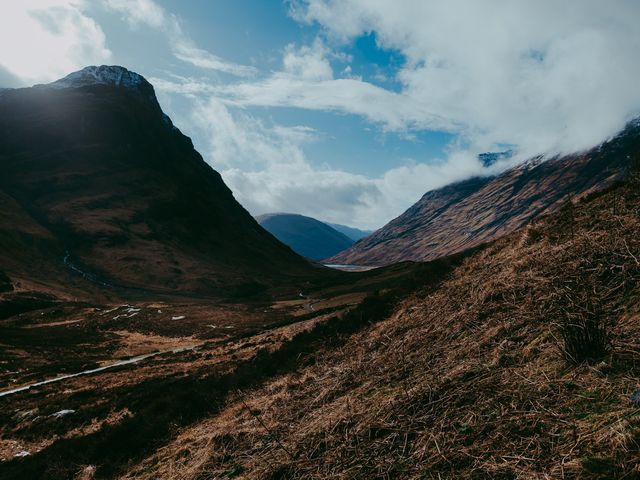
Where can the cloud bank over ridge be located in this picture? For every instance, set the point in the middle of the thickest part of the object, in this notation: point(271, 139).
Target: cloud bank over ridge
point(540, 77)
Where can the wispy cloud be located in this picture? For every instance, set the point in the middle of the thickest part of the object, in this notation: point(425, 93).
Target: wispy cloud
point(186, 51)
point(140, 12)
point(543, 77)
point(266, 167)
point(307, 81)
point(149, 13)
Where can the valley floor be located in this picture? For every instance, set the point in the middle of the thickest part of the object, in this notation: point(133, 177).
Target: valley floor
point(108, 384)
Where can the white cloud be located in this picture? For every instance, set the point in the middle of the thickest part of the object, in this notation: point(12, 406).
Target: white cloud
point(147, 12)
point(307, 81)
point(307, 63)
point(186, 51)
point(547, 76)
point(137, 12)
point(266, 168)
point(393, 110)
point(543, 77)
point(46, 39)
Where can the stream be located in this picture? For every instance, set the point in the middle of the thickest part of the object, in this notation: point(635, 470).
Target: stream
point(120, 363)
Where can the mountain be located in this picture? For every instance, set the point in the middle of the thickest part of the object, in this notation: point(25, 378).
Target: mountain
point(478, 210)
point(354, 234)
point(468, 377)
point(305, 235)
point(518, 359)
point(97, 184)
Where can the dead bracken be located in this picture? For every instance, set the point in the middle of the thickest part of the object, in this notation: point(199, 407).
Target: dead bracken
point(467, 380)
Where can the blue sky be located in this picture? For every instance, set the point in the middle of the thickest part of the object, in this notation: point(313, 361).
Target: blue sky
point(350, 110)
point(255, 33)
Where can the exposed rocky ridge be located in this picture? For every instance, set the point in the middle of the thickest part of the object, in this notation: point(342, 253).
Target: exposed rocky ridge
point(478, 210)
point(95, 173)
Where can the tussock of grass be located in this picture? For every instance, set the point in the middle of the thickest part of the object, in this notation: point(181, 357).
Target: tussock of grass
point(468, 380)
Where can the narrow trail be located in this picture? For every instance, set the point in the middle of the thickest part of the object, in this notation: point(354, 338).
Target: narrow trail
point(120, 363)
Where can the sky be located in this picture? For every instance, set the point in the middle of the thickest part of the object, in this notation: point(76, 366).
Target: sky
point(350, 110)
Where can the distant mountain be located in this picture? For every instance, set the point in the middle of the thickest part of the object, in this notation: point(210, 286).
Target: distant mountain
point(97, 184)
point(305, 235)
point(478, 210)
point(354, 234)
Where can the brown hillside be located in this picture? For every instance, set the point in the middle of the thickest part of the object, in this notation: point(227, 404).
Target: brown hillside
point(475, 211)
point(464, 380)
point(97, 182)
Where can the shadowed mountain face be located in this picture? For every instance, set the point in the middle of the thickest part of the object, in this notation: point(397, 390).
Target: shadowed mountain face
point(96, 179)
point(305, 235)
point(478, 210)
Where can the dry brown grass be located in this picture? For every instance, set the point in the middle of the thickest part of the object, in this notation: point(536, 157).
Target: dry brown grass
point(467, 381)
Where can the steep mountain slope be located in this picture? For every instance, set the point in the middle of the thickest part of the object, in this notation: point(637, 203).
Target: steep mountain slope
point(307, 236)
point(463, 379)
point(354, 234)
point(475, 211)
point(96, 179)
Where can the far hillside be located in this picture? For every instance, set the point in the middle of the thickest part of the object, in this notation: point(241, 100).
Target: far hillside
point(354, 234)
point(306, 236)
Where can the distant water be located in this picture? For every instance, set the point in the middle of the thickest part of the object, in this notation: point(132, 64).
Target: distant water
point(349, 268)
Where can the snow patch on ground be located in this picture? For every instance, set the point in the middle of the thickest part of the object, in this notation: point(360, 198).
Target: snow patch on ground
point(62, 413)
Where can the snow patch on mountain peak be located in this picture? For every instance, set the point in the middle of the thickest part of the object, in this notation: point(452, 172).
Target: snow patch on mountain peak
point(105, 75)
point(110, 75)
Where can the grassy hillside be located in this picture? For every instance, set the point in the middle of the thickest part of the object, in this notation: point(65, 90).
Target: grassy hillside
point(476, 377)
point(479, 210)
